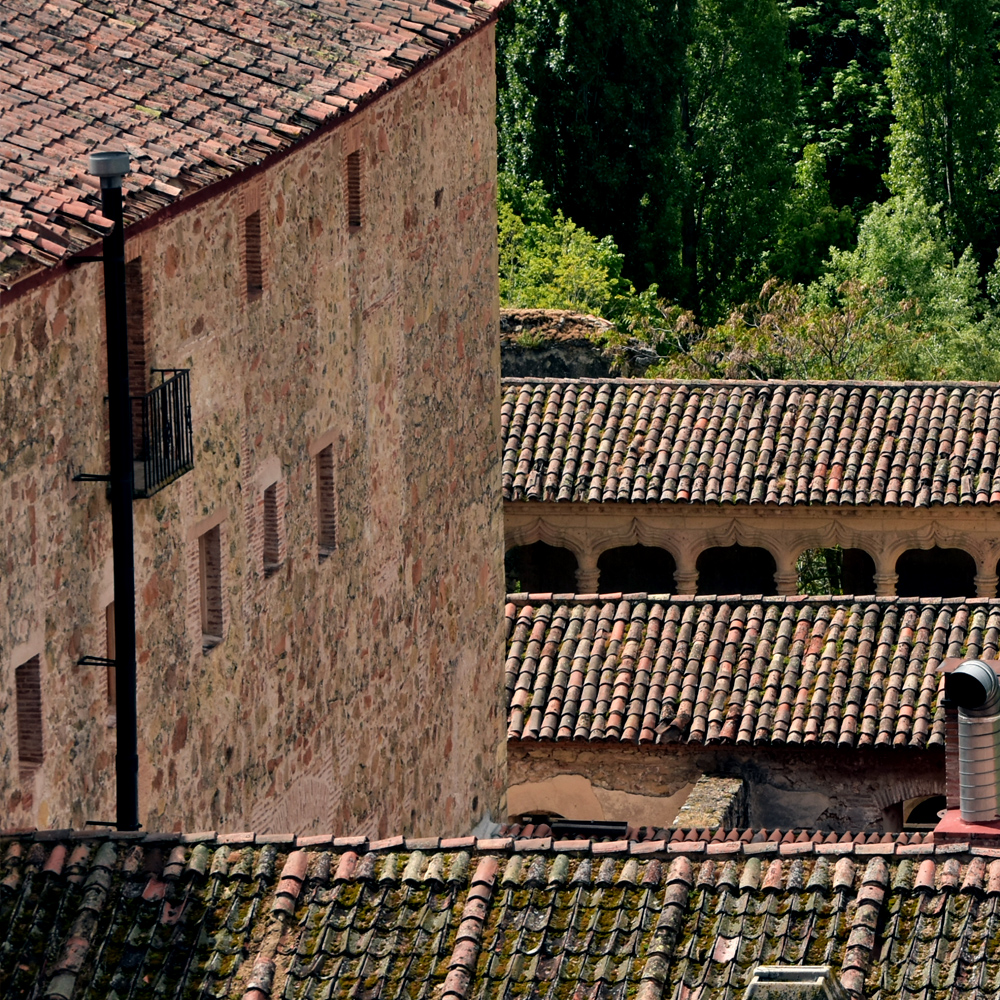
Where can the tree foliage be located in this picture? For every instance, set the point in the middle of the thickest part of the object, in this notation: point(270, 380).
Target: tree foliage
point(662, 125)
point(944, 83)
point(549, 262)
point(844, 106)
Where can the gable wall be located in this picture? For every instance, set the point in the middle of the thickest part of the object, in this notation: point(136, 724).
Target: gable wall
point(360, 693)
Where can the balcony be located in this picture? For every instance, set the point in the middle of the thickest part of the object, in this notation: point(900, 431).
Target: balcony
point(165, 449)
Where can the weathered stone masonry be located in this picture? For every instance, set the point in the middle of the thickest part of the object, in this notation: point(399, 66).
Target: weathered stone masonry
point(354, 692)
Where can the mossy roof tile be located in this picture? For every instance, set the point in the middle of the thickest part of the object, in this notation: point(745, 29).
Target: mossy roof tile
point(778, 443)
point(468, 924)
point(853, 696)
point(292, 66)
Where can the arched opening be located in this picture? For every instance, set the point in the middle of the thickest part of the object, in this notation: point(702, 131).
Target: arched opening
point(735, 569)
point(635, 569)
point(540, 568)
point(836, 571)
point(921, 813)
point(936, 573)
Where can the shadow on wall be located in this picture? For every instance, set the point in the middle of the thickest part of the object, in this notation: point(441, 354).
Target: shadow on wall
point(936, 573)
point(635, 569)
point(540, 568)
point(572, 796)
point(736, 569)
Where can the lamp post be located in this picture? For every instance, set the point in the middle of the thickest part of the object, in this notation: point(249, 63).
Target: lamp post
point(111, 166)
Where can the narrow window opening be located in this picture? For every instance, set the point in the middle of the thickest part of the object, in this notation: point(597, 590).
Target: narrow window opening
point(109, 631)
point(354, 214)
point(272, 531)
point(138, 363)
point(28, 685)
point(255, 262)
point(210, 556)
point(326, 499)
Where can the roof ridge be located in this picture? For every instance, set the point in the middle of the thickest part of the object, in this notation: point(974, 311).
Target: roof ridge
point(777, 599)
point(722, 382)
point(510, 844)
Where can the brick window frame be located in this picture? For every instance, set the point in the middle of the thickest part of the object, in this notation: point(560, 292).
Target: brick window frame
point(326, 502)
point(273, 541)
point(30, 718)
point(253, 241)
point(355, 191)
point(208, 608)
point(327, 508)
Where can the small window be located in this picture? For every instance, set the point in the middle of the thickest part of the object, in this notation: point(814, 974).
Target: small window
point(354, 213)
point(109, 645)
point(272, 531)
point(255, 261)
point(210, 566)
point(326, 511)
point(28, 684)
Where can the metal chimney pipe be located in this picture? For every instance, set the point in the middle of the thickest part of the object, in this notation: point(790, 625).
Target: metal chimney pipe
point(975, 689)
point(111, 166)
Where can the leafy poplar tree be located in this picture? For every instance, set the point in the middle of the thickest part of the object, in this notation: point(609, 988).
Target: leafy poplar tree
point(587, 105)
point(662, 124)
point(944, 84)
point(844, 107)
point(732, 159)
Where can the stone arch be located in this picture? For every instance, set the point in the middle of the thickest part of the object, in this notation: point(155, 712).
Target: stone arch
point(540, 568)
point(848, 570)
point(936, 572)
point(636, 568)
point(736, 569)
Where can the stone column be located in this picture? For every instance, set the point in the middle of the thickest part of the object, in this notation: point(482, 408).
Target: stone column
point(686, 574)
point(786, 574)
point(986, 582)
point(886, 577)
point(587, 574)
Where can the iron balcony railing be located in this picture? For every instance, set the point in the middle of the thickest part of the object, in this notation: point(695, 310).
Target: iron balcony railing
point(167, 447)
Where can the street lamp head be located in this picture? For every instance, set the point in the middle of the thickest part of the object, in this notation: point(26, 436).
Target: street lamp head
point(110, 165)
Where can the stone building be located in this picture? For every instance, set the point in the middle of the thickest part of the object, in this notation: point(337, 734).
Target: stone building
point(719, 487)
point(829, 709)
point(311, 233)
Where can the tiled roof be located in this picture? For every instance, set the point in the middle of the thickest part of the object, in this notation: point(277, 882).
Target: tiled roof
point(676, 835)
point(195, 91)
point(227, 917)
point(842, 671)
point(899, 444)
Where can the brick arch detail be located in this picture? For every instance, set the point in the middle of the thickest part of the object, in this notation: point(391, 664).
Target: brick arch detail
point(909, 788)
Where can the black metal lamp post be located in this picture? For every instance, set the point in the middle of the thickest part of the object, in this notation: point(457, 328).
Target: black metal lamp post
point(111, 166)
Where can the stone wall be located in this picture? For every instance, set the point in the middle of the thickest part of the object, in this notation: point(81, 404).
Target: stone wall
point(355, 689)
point(820, 788)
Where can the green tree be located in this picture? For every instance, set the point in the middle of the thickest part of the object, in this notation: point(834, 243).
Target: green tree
point(736, 106)
point(664, 125)
point(811, 224)
point(781, 335)
point(587, 105)
point(844, 107)
point(944, 84)
point(548, 262)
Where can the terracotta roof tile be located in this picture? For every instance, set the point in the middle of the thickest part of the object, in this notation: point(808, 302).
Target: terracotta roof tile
point(780, 443)
point(194, 91)
point(736, 670)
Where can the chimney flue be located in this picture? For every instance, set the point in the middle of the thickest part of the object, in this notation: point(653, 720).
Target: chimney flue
point(974, 689)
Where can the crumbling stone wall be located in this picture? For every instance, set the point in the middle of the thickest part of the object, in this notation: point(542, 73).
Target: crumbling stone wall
point(354, 690)
point(818, 788)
